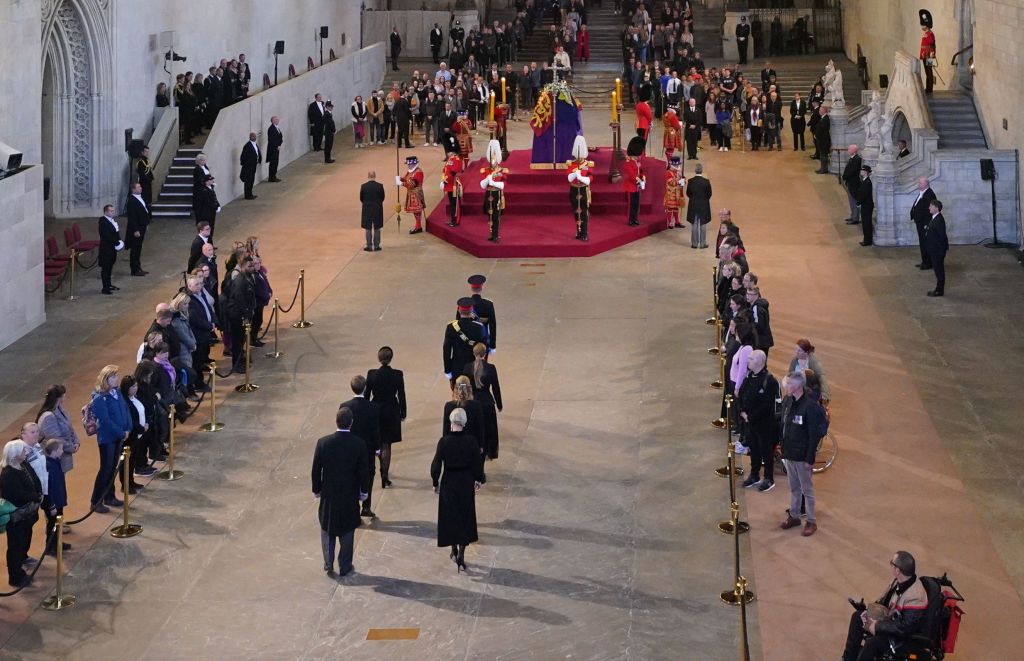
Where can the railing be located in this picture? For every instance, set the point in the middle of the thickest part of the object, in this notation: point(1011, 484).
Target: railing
point(163, 144)
point(960, 52)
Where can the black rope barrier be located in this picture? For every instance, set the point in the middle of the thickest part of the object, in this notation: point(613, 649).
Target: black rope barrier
point(60, 282)
point(583, 91)
point(39, 563)
point(288, 309)
point(78, 260)
point(270, 323)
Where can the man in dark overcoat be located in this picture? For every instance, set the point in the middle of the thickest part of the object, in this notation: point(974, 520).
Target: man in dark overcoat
point(371, 196)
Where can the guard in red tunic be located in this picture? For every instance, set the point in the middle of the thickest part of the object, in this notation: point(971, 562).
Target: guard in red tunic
point(644, 116)
point(927, 55)
point(501, 111)
point(451, 185)
point(580, 172)
point(673, 138)
point(463, 131)
point(633, 179)
point(493, 185)
point(675, 191)
point(413, 183)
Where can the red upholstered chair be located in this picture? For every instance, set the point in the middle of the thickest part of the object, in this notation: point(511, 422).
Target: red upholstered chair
point(333, 56)
point(69, 238)
point(291, 71)
point(53, 254)
point(309, 64)
point(81, 244)
point(266, 80)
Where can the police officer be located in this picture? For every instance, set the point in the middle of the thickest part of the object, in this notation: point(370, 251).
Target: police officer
point(460, 336)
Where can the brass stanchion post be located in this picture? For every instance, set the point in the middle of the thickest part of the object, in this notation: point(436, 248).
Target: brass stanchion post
point(730, 452)
point(276, 312)
point(727, 526)
point(169, 473)
point(741, 587)
point(714, 295)
point(717, 349)
point(213, 425)
point(719, 384)
point(58, 600)
point(126, 529)
point(302, 323)
point(71, 285)
point(248, 386)
point(739, 593)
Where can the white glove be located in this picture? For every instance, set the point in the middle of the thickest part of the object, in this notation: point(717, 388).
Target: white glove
point(119, 246)
point(218, 209)
point(682, 182)
point(448, 375)
point(642, 185)
point(492, 351)
point(398, 180)
point(583, 180)
point(573, 176)
point(442, 185)
point(485, 182)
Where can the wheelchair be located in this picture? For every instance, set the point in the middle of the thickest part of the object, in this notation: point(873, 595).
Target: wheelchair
point(941, 625)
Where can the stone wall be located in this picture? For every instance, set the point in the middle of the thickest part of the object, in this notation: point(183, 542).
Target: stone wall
point(21, 84)
point(21, 268)
point(414, 27)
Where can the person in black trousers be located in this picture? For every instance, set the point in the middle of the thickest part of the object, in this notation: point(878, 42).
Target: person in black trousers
point(274, 140)
point(403, 118)
point(436, 39)
point(207, 206)
point(139, 214)
point(866, 201)
point(110, 244)
point(823, 139)
point(756, 404)
point(241, 306)
point(144, 170)
point(798, 120)
point(937, 245)
point(329, 130)
point(315, 115)
point(250, 161)
point(366, 426)
point(371, 196)
point(486, 390)
point(20, 487)
point(743, 38)
point(385, 387)
point(921, 215)
point(396, 48)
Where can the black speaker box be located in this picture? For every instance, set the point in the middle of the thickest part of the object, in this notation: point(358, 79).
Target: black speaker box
point(323, 31)
point(128, 139)
point(988, 169)
point(279, 48)
point(883, 80)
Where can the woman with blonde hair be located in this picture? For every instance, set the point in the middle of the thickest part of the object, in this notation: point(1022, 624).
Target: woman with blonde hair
point(115, 423)
point(183, 329)
point(462, 398)
point(487, 391)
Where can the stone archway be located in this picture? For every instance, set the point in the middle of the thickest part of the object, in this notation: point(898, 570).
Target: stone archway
point(900, 129)
point(76, 97)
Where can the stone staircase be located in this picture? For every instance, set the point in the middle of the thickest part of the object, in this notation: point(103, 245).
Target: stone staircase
point(799, 74)
point(707, 31)
point(956, 121)
point(175, 198)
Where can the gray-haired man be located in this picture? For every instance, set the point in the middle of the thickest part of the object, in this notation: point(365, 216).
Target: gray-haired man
point(803, 426)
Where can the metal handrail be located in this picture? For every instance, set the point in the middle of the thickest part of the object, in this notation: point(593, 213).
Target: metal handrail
point(960, 52)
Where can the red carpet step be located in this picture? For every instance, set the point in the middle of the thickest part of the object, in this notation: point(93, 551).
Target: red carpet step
point(538, 219)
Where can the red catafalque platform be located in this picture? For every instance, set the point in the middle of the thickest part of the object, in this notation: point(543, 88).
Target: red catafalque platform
point(538, 219)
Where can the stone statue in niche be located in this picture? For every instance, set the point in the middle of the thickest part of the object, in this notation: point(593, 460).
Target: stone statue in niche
point(885, 135)
point(834, 85)
point(873, 120)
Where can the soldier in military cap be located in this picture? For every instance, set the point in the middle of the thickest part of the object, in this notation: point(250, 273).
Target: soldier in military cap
point(633, 178)
point(460, 336)
point(493, 185)
point(483, 310)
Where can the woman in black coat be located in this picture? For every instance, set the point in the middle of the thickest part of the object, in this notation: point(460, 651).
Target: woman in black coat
point(462, 398)
point(19, 486)
point(457, 473)
point(386, 387)
point(486, 390)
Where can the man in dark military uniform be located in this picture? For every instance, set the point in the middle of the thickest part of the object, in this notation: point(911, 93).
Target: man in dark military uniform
point(483, 310)
point(460, 337)
point(144, 170)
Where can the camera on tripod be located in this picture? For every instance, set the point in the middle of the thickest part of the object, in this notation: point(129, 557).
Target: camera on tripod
point(172, 56)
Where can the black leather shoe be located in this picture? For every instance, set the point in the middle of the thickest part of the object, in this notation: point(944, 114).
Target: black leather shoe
point(329, 160)
point(368, 513)
point(377, 249)
point(935, 293)
point(865, 244)
point(368, 249)
point(115, 287)
point(275, 180)
point(925, 267)
point(140, 273)
point(416, 230)
point(106, 292)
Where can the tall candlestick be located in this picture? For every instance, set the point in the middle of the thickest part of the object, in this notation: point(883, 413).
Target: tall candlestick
point(615, 109)
point(503, 90)
point(492, 105)
point(618, 89)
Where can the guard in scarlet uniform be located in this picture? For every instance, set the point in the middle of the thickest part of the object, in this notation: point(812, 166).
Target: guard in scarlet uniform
point(675, 191)
point(493, 185)
point(483, 310)
point(463, 130)
point(412, 181)
point(451, 185)
point(633, 178)
point(501, 111)
point(927, 55)
point(460, 336)
point(580, 172)
point(644, 116)
point(673, 138)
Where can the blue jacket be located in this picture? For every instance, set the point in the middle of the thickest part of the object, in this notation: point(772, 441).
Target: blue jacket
point(58, 487)
point(113, 416)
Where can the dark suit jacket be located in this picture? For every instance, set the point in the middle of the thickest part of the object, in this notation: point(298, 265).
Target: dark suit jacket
point(213, 283)
point(274, 138)
point(109, 238)
point(936, 244)
point(201, 327)
point(249, 160)
point(865, 195)
point(138, 218)
point(798, 116)
point(694, 117)
point(823, 134)
point(851, 174)
point(340, 472)
point(698, 190)
point(206, 205)
point(366, 423)
point(371, 195)
point(919, 213)
point(195, 253)
point(214, 92)
point(313, 114)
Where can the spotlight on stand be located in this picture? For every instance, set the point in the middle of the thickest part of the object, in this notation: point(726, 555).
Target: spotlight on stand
point(172, 56)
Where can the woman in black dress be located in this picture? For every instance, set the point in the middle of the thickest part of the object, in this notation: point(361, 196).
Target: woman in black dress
point(462, 398)
point(457, 473)
point(484, 379)
point(386, 387)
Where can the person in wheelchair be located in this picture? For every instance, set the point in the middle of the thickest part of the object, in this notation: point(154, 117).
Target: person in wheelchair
point(883, 626)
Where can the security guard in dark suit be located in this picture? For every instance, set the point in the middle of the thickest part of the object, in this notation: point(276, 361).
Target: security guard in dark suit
point(460, 336)
point(483, 310)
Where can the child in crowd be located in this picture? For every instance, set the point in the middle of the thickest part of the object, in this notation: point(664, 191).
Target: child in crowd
point(57, 498)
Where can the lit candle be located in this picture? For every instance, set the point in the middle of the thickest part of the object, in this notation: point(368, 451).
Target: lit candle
point(492, 105)
point(614, 108)
point(503, 90)
point(618, 89)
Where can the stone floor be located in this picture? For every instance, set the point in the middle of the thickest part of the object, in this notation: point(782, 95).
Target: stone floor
point(598, 536)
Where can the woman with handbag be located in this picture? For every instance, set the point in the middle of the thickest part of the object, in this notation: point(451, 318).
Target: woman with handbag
point(54, 422)
point(114, 426)
point(20, 487)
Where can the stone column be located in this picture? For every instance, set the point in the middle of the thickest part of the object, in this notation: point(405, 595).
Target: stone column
point(839, 122)
point(883, 175)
